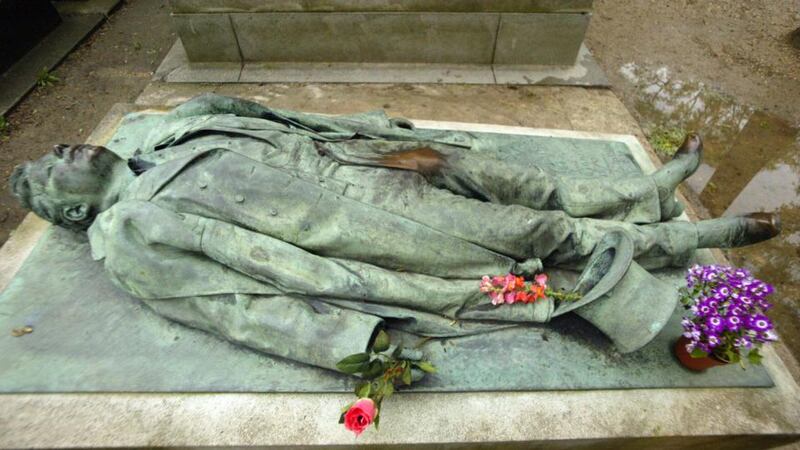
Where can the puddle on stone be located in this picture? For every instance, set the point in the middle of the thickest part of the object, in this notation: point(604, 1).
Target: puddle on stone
point(751, 163)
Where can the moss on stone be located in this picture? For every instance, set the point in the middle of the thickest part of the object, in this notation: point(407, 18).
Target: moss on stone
point(666, 140)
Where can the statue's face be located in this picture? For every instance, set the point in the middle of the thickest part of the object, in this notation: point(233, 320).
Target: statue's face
point(72, 175)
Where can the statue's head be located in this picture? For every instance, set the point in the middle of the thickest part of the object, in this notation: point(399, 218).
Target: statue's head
point(67, 186)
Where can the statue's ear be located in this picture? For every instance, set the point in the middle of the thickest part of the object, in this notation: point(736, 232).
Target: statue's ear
point(60, 147)
point(76, 213)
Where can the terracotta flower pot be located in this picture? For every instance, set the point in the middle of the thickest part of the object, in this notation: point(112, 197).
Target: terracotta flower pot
point(694, 364)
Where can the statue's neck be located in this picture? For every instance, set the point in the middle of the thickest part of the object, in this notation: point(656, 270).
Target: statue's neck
point(121, 177)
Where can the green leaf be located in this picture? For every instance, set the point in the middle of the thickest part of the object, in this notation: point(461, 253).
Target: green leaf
point(352, 369)
point(754, 357)
point(388, 389)
point(363, 389)
point(354, 363)
point(407, 374)
point(344, 411)
point(731, 356)
point(377, 420)
point(697, 353)
point(381, 343)
point(355, 358)
point(375, 369)
point(425, 366)
point(397, 351)
point(377, 390)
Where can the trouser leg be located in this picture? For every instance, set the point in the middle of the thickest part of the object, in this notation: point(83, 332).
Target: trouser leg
point(655, 245)
point(591, 208)
point(631, 199)
point(474, 175)
point(514, 230)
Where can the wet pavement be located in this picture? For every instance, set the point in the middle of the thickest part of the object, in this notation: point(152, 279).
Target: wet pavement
point(751, 163)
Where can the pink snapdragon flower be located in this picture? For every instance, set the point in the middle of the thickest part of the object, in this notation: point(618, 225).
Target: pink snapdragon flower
point(510, 289)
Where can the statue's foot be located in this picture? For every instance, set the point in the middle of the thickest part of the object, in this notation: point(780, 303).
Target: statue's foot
point(738, 231)
point(683, 165)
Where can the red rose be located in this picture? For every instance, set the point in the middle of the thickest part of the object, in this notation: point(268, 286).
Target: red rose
point(360, 415)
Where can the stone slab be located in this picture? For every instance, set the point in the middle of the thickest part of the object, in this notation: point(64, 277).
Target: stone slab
point(176, 68)
point(605, 419)
point(406, 31)
point(634, 418)
point(208, 37)
point(370, 37)
point(584, 109)
point(69, 7)
point(542, 420)
point(206, 72)
point(365, 73)
point(89, 337)
point(584, 72)
point(542, 39)
point(19, 245)
point(529, 6)
point(115, 353)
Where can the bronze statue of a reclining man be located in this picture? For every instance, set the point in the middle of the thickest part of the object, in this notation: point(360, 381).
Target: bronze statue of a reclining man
point(301, 235)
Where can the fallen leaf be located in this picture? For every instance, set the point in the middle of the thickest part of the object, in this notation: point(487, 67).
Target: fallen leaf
point(21, 331)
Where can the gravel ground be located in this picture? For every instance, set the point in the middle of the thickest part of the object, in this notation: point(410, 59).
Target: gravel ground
point(739, 47)
point(113, 65)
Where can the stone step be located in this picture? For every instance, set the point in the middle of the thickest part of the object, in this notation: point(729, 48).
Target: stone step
point(434, 32)
point(525, 6)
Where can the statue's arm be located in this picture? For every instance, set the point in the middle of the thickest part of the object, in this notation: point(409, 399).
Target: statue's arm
point(218, 104)
point(154, 254)
point(302, 329)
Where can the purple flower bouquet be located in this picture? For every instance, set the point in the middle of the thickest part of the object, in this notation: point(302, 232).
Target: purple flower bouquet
point(726, 319)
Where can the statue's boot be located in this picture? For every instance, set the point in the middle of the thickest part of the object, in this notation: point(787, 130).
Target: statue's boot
point(670, 175)
point(737, 231)
point(619, 297)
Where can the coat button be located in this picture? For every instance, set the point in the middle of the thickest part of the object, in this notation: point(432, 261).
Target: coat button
point(239, 198)
point(202, 184)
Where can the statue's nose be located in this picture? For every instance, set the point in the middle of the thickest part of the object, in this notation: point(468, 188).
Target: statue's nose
point(93, 152)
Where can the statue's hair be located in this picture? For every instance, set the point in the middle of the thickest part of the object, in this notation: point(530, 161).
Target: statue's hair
point(20, 185)
point(31, 196)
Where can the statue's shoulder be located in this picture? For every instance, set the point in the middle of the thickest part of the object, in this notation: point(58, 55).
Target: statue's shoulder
point(129, 226)
point(107, 226)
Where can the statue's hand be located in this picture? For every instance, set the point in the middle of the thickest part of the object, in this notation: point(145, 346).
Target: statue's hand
point(382, 344)
point(411, 354)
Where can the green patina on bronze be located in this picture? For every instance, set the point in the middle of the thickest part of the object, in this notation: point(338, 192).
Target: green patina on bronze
point(300, 235)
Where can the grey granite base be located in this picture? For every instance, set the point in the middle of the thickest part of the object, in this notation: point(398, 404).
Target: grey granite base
point(736, 418)
point(176, 68)
point(91, 337)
